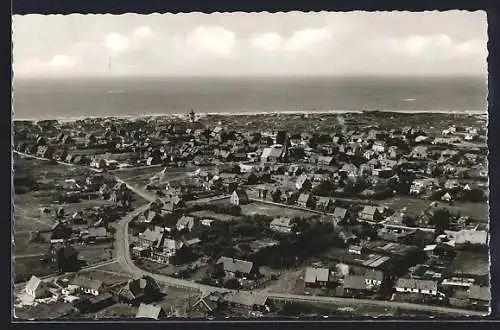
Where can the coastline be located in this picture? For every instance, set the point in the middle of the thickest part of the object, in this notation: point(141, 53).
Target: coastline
point(256, 113)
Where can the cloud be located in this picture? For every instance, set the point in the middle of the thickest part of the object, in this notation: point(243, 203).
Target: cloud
point(304, 38)
point(434, 46)
point(62, 61)
point(117, 42)
point(142, 32)
point(267, 41)
point(214, 40)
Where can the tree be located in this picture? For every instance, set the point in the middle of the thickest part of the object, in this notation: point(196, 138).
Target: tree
point(281, 137)
point(276, 196)
point(441, 220)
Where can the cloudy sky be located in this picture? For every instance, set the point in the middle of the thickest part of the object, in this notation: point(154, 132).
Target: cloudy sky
point(440, 43)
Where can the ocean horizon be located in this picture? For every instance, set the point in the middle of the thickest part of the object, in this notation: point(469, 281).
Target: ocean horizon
point(69, 99)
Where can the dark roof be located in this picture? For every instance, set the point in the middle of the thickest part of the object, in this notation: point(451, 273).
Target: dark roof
point(246, 298)
point(314, 275)
point(100, 298)
point(354, 282)
point(416, 284)
point(235, 265)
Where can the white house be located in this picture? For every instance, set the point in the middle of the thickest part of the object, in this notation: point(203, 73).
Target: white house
point(89, 286)
point(36, 288)
point(416, 286)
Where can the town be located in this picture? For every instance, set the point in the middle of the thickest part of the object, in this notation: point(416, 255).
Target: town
point(251, 216)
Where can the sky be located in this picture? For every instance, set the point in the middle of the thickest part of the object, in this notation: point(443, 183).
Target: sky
point(242, 44)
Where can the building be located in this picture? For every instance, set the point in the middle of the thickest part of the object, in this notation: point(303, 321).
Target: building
point(315, 276)
point(374, 277)
point(412, 285)
point(36, 288)
point(151, 237)
point(355, 285)
point(282, 225)
point(304, 200)
point(248, 300)
point(355, 249)
point(208, 303)
point(149, 311)
point(474, 237)
point(239, 197)
point(233, 267)
point(272, 154)
point(185, 222)
point(89, 286)
point(138, 290)
point(324, 204)
point(371, 213)
point(339, 214)
point(303, 182)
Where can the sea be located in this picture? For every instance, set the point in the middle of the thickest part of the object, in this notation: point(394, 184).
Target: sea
point(66, 98)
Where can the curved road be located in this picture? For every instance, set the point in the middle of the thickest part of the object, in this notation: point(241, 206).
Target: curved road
point(125, 260)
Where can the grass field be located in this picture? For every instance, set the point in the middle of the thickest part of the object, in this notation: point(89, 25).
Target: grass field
point(94, 253)
point(272, 210)
point(213, 215)
point(471, 263)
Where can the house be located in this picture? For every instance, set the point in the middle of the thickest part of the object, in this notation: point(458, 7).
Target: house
point(371, 213)
point(36, 288)
point(208, 302)
point(152, 217)
point(207, 222)
point(355, 285)
point(96, 303)
point(282, 225)
point(151, 237)
point(304, 200)
point(232, 266)
point(272, 154)
point(99, 234)
point(446, 197)
point(303, 182)
point(419, 152)
point(379, 146)
point(326, 160)
point(149, 311)
point(374, 277)
point(89, 286)
point(324, 204)
point(339, 214)
point(315, 276)
point(355, 249)
point(248, 300)
point(474, 237)
point(412, 285)
point(185, 222)
point(138, 290)
point(239, 197)
point(479, 296)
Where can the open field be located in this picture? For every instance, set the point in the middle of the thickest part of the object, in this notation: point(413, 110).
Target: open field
point(471, 263)
point(290, 281)
point(43, 311)
point(272, 210)
point(212, 215)
point(117, 311)
point(23, 246)
point(105, 277)
point(25, 267)
point(477, 211)
point(94, 253)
